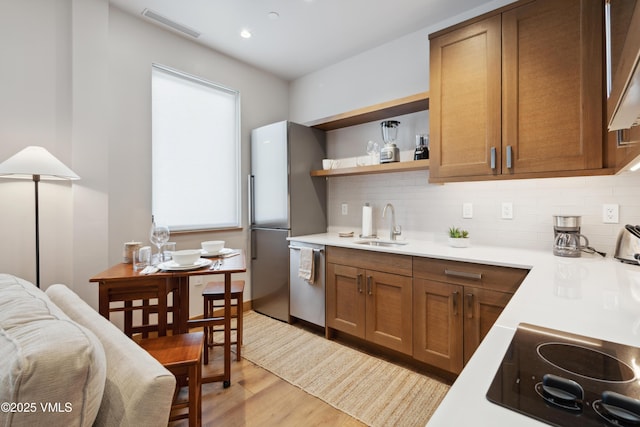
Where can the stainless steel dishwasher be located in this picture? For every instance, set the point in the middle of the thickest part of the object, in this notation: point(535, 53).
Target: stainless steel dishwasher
point(306, 300)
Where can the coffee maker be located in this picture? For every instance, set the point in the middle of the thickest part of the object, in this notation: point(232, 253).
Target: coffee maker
point(567, 237)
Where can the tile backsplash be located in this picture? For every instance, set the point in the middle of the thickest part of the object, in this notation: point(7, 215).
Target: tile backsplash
point(427, 210)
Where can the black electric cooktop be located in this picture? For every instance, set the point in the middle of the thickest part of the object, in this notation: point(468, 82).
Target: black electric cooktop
point(568, 380)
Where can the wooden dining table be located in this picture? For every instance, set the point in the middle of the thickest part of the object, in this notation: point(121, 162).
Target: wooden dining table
point(120, 278)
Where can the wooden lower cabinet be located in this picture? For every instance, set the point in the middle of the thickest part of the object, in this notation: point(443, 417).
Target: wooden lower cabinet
point(369, 304)
point(481, 310)
point(438, 331)
point(436, 311)
point(454, 306)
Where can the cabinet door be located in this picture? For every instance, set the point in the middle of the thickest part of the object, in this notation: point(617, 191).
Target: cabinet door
point(465, 104)
point(552, 86)
point(481, 310)
point(438, 329)
point(345, 299)
point(622, 14)
point(389, 310)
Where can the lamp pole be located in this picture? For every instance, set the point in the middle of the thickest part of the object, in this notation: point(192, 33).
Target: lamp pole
point(36, 180)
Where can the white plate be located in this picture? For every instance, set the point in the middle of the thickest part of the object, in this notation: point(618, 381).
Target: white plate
point(221, 252)
point(173, 266)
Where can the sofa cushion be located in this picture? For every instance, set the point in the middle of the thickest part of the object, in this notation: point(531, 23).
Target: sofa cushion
point(52, 370)
point(139, 390)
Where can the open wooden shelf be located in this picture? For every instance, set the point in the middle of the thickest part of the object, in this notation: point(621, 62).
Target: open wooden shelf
point(397, 107)
point(412, 165)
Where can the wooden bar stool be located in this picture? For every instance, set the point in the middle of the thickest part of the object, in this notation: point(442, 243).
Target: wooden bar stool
point(182, 355)
point(213, 296)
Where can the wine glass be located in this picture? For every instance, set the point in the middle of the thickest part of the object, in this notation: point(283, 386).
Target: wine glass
point(159, 235)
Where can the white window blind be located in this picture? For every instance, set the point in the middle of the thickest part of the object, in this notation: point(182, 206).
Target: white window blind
point(195, 152)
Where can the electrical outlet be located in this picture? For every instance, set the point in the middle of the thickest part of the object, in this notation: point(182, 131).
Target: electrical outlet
point(345, 209)
point(610, 214)
point(507, 210)
point(197, 280)
point(467, 210)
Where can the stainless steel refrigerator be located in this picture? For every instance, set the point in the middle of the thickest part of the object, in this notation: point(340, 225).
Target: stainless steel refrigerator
point(285, 201)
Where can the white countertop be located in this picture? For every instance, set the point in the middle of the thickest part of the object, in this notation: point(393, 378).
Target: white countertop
point(590, 296)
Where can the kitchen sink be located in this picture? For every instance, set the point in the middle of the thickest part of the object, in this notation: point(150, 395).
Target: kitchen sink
point(383, 243)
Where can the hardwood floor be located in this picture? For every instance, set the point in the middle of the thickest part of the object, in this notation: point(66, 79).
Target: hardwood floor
point(256, 397)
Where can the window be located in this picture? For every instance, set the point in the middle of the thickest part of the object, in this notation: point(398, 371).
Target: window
point(195, 152)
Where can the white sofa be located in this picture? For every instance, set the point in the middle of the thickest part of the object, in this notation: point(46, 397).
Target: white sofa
point(61, 363)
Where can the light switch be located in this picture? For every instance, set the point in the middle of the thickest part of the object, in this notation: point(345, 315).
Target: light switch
point(345, 209)
point(467, 210)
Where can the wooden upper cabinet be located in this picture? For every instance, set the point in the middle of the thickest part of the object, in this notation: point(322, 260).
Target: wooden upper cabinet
point(519, 92)
point(552, 89)
point(465, 100)
point(625, 19)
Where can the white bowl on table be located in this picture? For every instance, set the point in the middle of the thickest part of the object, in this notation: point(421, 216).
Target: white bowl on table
point(213, 246)
point(186, 256)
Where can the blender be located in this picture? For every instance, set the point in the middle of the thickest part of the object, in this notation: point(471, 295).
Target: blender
point(390, 152)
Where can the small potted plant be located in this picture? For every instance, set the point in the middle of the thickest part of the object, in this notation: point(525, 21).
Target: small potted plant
point(458, 238)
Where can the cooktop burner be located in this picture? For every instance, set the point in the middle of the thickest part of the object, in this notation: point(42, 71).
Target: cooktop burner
point(568, 380)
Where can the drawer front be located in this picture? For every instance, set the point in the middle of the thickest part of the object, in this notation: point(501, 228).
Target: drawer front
point(503, 279)
point(370, 260)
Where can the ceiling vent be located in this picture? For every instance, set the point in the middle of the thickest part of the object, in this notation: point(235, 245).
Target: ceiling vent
point(169, 23)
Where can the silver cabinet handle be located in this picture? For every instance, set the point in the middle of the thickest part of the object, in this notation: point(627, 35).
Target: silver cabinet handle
point(469, 308)
point(454, 298)
point(476, 276)
point(369, 287)
point(359, 283)
point(509, 157)
point(493, 157)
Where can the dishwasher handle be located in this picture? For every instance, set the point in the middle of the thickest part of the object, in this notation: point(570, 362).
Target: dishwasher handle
point(297, 248)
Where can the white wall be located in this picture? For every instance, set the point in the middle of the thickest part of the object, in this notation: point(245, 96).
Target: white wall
point(426, 210)
point(134, 45)
point(35, 109)
point(394, 70)
point(76, 79)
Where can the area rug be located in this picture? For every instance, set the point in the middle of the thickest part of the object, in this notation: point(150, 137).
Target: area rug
point(374, 391)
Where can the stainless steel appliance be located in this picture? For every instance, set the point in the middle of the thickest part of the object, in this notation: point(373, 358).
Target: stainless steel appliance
point(566, 234)
point(568, 380)
point(628, 244)
point(307, 299)
point(284, 201)
point(390, 152)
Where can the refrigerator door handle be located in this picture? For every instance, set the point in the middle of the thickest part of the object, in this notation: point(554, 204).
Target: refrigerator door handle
point(253, 245)
point(252, 213)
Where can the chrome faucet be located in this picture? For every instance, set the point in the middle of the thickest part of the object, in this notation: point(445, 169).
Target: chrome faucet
point(395, 230)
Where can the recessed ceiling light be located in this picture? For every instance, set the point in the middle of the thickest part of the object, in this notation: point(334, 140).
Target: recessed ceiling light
point(273, 15)
point(245, 34)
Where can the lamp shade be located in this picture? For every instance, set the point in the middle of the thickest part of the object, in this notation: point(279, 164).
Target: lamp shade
point(32, 161)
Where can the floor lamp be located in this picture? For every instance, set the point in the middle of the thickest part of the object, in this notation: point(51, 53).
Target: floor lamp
point(36, 163)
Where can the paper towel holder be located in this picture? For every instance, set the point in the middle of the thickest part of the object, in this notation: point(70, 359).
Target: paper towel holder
point(367, 223)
